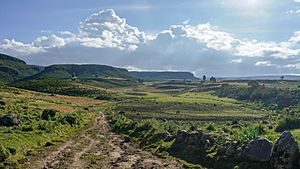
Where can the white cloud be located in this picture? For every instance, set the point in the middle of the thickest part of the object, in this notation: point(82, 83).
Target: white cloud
point(296, 66)
point(107, 29)
point(211, 36)
point(51, 41)
point(186, 22)
point(106, 38)
point(264, 63)
point(16, 48)
point(237, 60)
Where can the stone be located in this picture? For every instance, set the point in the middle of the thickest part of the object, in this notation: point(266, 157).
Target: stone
point(231, 148)
point(259, 150)
point(3, 153)
point(69, 119)
point(234, 122)
point(235, 126)
point(10, 120)
point(47, 113)
point(285, 152)
point(2, 103)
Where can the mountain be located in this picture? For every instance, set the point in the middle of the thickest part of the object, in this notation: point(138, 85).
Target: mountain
point(163, 75)
point(12, 69)
point(270, 77)
point(82, 72)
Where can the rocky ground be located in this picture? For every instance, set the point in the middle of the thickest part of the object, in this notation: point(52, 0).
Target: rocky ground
point(98, 147)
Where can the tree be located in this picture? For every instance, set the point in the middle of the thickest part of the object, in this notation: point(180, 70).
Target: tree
point(204, 78)
point(253, 83)
point(281, 77)
point(212, 79)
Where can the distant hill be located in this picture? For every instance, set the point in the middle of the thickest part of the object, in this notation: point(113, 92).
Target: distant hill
point(12, 69)
point(82, 72)
point(163, 75)
point(271, 77)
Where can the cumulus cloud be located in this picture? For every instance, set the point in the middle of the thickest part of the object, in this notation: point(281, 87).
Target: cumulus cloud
point(51, 41)
point(106, 38)
point(16, 48)
point(106, 29)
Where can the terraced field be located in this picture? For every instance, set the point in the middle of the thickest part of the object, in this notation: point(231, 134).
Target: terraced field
point(186, 106)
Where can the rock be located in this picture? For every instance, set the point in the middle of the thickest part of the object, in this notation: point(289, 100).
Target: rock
point(121, 113)
point(193, 137)
point(4, 154)
point(47, 113)
point(48, 144)
point(2, 103)
point(235, 126)
point(285, 153)
point(259, 150)
point(127, 139)
point(167, 136)
point(234, 122)
point(12, 150)
point(69, 119)
point(231, 148)
point(9, 120)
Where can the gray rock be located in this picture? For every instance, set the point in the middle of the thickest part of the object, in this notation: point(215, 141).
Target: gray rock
point(47, 113)
point(167, 136)
point(235, 126)
point(9, 120)
point(231, 148)
point(193, 137)
point(69, 119)
point(258, 150)
point(285, 153)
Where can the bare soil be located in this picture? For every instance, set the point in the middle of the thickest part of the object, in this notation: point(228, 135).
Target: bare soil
point(99, 147)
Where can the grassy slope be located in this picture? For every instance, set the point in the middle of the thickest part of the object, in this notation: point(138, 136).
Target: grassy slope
point(15, 69)
point(34, 133)
point(69, 71)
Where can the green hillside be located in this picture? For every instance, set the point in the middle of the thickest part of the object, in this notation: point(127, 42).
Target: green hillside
point(163, 75)
point(12, 69)
point(82, 72)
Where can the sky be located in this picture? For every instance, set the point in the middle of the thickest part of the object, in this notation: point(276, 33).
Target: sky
point(212, 37)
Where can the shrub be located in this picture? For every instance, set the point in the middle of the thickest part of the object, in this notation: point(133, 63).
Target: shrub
point(288, 123)
point(210, 127)
point(248, 133)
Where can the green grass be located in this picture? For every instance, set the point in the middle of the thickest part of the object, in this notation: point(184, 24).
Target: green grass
point(31, 136)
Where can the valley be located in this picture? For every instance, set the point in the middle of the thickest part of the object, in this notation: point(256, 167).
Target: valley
point(95, 116)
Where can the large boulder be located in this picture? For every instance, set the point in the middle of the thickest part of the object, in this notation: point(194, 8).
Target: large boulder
point(9, 120)
point(192, 137)
point(69, 119)
point(47, 113)
point(285, 152)
point(259, 150)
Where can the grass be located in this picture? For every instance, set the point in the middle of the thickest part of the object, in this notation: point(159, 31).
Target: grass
point(31, 136)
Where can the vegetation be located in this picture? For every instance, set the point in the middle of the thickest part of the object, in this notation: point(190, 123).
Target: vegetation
point(270, 97)
point(65, 88)
point(12, 69)
point(33, 134)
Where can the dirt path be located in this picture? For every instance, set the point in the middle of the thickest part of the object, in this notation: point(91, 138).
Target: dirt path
point(98, 147)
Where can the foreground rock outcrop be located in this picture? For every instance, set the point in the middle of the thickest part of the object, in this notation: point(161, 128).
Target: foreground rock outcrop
point(285, 154)
point(258, 150)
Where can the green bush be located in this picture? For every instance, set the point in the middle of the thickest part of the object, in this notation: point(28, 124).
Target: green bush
point(288, 123)
point(210, 127)
point(248, 133)
point(4, 153)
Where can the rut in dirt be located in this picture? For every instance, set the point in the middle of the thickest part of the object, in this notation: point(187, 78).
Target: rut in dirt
point(99, 147)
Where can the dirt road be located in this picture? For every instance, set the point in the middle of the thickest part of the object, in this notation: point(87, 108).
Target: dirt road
point(98, 147)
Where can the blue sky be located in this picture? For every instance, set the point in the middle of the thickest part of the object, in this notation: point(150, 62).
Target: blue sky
point(35, 31)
